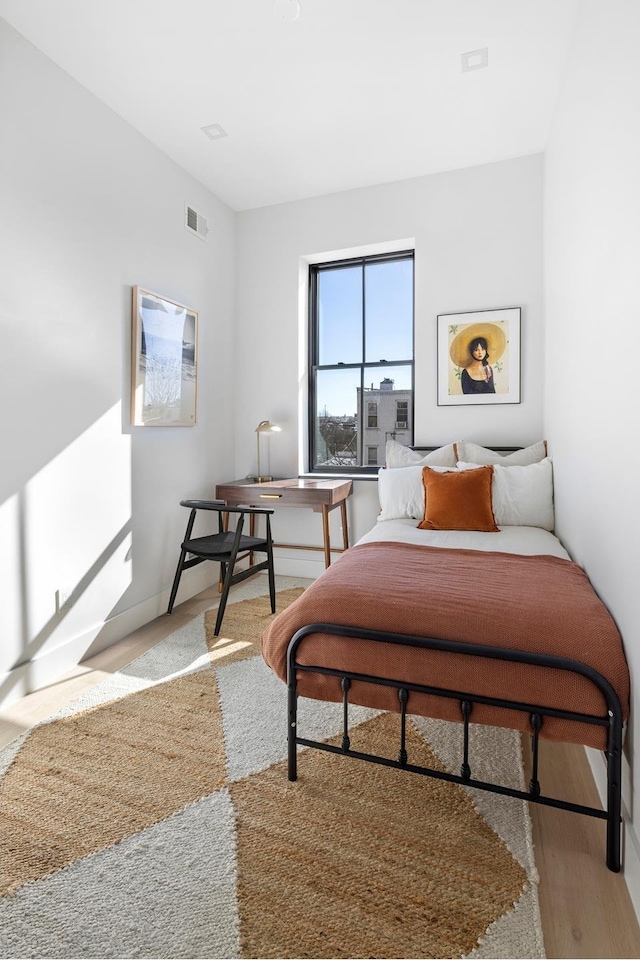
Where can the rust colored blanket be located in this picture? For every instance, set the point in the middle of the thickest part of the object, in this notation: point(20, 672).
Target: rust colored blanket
point(539, 604)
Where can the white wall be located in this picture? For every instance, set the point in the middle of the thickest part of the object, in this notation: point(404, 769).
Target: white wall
point(88, 208)
point(592, 252)
point(478, 241)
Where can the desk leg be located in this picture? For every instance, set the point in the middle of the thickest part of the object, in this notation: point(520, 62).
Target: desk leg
point(252, 533)
point(345, 529)
point(327, 539)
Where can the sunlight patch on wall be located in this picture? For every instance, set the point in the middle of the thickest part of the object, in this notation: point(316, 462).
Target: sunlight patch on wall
point(77, 520)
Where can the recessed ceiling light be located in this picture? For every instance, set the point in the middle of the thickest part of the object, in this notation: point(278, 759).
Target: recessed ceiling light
point(214, 131)
point(286, 9)
point(475, 59)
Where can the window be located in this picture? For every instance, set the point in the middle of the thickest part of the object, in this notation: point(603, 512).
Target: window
point(361, 366)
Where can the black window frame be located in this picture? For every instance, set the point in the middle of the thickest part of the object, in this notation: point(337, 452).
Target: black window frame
point(315, 269)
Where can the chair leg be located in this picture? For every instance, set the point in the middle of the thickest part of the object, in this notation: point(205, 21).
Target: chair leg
point(183, 553)
point(223, 599)
point(228, 576)
point(176, 580)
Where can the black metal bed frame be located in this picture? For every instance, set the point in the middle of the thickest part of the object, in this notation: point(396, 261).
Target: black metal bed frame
point(612, 720)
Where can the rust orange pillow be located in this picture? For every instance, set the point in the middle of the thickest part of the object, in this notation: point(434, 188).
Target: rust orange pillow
point(458, 500)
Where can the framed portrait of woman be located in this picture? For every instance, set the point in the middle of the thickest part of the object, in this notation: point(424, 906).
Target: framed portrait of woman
point(479, 357)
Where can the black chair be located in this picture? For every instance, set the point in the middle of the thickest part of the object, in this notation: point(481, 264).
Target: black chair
point(224, 547)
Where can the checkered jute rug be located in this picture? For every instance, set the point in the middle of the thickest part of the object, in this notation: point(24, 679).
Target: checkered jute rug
point(154, 818)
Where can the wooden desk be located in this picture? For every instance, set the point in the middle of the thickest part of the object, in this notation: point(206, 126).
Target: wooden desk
point(322, 496)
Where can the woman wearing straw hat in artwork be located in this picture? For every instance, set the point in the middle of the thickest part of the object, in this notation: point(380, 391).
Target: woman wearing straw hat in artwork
point(473, 350)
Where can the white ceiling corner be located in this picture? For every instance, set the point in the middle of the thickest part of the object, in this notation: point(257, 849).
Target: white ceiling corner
point(350, 94)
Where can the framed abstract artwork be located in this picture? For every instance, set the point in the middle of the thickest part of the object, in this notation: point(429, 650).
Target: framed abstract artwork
point(164, 362)
point(479, 357)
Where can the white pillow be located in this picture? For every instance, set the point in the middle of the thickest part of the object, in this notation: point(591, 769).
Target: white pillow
point(401, 492)
point(397, 455)
point(522, 496)
point(474, 453)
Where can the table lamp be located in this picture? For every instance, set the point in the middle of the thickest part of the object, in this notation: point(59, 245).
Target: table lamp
point(265, 426)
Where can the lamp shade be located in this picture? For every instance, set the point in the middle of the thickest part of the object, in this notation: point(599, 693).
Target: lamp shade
point(265, 426)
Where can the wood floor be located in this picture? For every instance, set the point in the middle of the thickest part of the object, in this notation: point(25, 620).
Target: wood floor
point(586, 909)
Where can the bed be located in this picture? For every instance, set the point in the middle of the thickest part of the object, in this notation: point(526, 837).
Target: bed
point(494, 625)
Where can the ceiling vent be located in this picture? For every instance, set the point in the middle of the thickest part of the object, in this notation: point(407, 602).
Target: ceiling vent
point(214, 131)
point(475, 59)
point(195, 223)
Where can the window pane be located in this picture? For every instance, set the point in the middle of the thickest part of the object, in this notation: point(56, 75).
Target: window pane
point(389, 310)
point(380, 380)
point(340, 315)
point(336, 418)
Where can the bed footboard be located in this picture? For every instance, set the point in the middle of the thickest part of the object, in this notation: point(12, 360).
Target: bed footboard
point(612, 720)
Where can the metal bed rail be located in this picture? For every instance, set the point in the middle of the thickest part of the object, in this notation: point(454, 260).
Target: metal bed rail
point(612, 720)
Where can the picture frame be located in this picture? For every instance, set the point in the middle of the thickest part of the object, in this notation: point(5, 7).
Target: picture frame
point(491, 374)
point(164, 361)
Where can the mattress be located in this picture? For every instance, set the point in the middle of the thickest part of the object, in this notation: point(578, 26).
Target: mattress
point(526, 541)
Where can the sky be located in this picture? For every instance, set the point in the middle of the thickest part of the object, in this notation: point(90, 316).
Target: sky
point(388, 297)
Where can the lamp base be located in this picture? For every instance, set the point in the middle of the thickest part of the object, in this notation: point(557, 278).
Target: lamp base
point(262, 479)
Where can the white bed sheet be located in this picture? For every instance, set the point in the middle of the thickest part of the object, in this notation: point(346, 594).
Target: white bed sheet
point(527, 541)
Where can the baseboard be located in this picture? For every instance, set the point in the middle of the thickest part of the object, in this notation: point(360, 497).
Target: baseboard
point(630, 840)
point(50, 665)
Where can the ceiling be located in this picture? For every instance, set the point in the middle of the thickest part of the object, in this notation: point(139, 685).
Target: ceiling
point(351, 93)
